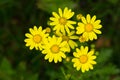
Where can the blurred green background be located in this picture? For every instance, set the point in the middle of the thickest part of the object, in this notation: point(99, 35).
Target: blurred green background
point(17, 62)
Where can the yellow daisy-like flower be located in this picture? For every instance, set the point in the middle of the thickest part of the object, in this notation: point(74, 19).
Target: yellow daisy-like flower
point(35, 38)
point(82, 39)
point(69, 37)
point(48, 30)
point(89, 27)
point(78, 17)
point(83, 60)
point(61, 21)
point(55, 49)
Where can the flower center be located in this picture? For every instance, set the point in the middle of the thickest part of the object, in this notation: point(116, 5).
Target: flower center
point(65, 38)
point(88, 27)
point(62, 21)
point(83, 59)
point(37, 38)
point(55, 48)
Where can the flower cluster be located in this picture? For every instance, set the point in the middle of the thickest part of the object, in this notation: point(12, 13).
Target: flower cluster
point(65, 36)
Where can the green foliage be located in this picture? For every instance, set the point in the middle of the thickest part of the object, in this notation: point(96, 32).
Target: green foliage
point(8, 73)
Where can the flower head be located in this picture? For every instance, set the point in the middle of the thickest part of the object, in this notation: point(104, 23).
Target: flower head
point(48, 30)
point(35, 38)
point(78, 17)
point(89, 27)
point(55, 49)
point(69, 37)
point(61, 21)
point(82, 39)
point(83, 60)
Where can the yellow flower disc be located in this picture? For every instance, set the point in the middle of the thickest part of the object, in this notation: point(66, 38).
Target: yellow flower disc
point(83, 59)
point(62, 20)
point(55, 49)
point(88, 27)
point(37, 38)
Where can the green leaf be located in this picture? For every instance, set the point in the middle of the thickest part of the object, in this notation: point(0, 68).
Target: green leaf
point(5, 67)
point(32, 77)
point(104, 55)
point(113, 1)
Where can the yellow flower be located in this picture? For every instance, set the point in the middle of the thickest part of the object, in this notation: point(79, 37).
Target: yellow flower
point(55, 49)
point(83, 60)
point(69, 37)
point(67, 59)
point(83, 39)
point(89, 27)
point(61, 21)
point(48, 30)
point(79, 16)
point(35, 38)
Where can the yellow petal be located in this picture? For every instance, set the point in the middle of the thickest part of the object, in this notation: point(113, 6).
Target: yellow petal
point(55, 15)
point(60, 12)
point(32, 31)
point(47, 56)
point(69, 25)
point(63, 29)
point(71, 22)
point(97, 22)
point(92, 36)
point(97, 31)
point(67, 29)
point(59, 40)
point(88, 18)
point(78, 68)
point(76, 54)
point(51, 58)
point(93, 57)
point(83, 68)
point(84, 20)
point(86, 50)
point(32, 46)
point(65, 11)
point(59, 58)
point(97, 26)
point(73, 37)
point(91, 53)
point(74, 60)
point(53, 19)
point(80, 28)
point(35, 28)
point(82, 48)
point(90, 66)
point(63, 44)
point(62, 55)
point(53, 23)
point(85, 34)
point(28, 35)
point(92, 62)
point(55, 59)
point(93, 19)
point(72, 44)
